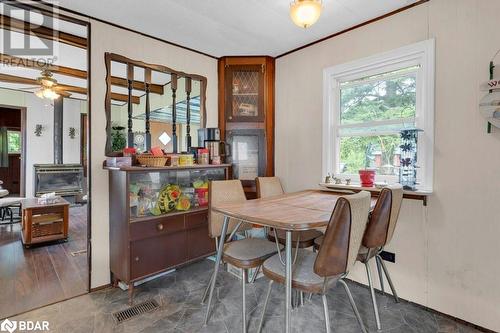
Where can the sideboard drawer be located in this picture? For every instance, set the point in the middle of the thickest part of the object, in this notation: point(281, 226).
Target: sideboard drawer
point(156, 227)
point(152, 255)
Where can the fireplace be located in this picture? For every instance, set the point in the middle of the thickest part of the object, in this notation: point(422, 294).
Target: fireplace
point(63, 179)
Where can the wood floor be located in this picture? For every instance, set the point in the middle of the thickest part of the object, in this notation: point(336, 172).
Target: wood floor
point(44, 274)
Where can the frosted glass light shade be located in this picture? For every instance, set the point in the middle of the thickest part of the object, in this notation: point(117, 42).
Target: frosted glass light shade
point(305, 13)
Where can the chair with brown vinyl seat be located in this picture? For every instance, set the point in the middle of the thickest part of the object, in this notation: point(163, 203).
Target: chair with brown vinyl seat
point(271, 186)
point(379, 232)
point(318, 272)
point(245, 253)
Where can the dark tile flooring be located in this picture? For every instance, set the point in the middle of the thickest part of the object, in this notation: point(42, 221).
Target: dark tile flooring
point(179, 296)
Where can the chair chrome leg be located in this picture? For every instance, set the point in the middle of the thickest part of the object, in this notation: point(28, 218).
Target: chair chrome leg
point(394, 293)
point(380, 276)
point(301, 293)
point(372, 292)
point(265, 306)
point(244, 298)
point(327, 316)
point(310, 296)
point(205, 294)
point(288, 282)
point(217, 264)
point(255, 274)
point(353, 305)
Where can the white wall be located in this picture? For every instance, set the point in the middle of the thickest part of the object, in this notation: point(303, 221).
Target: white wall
point(106, 38)
point(40, 149)
point(71, 118)
point(446, 253)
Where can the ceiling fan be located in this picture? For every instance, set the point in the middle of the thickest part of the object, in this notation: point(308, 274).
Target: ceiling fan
point(47, 86)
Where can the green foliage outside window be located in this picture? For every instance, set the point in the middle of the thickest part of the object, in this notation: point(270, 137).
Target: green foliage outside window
point(375, 101)
point(14, 142)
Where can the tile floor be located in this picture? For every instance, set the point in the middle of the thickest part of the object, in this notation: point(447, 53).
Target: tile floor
point(179, 296)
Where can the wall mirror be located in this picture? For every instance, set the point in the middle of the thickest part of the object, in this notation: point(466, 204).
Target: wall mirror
point(151, 105)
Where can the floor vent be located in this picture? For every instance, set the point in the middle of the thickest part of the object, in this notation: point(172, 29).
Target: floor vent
point(135, 311)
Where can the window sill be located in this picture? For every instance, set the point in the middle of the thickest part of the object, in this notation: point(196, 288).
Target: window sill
point(413, 195)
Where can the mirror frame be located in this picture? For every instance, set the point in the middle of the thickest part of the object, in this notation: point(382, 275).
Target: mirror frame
point(110, 57)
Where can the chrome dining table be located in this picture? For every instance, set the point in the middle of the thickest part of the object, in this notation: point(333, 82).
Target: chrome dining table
point(304, 210)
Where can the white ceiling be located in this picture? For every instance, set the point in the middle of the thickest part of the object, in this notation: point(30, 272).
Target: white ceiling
point(232, 27)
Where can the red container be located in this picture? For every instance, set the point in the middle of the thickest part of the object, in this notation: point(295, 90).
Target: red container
point(202, 194)
point(367, 177)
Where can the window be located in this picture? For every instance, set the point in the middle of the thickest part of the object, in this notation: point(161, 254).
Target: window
point(14, 142)
point(368, 102)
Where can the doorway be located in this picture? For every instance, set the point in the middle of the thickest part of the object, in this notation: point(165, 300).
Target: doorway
point(12, 150)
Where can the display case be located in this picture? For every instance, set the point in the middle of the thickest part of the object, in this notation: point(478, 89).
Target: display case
point(159, 193)
point(158, 218)
point(246, 116)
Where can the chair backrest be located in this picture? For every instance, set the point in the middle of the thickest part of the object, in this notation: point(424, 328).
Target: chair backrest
point(268, 187)
point(384, 217)
point(343, 235)
point(223, 192)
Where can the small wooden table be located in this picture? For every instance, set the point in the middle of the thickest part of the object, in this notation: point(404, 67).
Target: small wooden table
point(297, 211)
point(44, 223)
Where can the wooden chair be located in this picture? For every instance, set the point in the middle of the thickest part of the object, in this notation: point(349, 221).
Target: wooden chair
point(244, 254)
point(318, 272)
point(271, 186)
point(379, 232)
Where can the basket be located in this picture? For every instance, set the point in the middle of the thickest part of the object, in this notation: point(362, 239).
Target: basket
point(152, 161)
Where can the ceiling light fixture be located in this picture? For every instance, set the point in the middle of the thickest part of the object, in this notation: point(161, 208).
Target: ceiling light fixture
point(48, 84)
point(305, 13)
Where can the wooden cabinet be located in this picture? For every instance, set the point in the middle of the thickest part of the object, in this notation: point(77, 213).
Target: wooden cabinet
point(145, 241)
point(44, 223)
point(246, 116)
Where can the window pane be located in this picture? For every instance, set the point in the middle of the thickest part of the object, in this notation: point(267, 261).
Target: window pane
point(388, 98)
point(375, 152)
point(14, 142)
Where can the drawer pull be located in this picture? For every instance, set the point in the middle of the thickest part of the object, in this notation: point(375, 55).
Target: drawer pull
point(136, 258)
point(159, 226)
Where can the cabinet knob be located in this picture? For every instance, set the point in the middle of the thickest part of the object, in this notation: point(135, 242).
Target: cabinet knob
point(159, 226)
point(136, 258)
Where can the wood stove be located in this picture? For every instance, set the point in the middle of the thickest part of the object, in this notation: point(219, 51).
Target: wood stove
point(63, 179)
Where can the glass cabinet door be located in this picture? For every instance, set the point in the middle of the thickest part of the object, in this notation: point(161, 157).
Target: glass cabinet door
point(244, 93)
point(165, 192)
point(247, 154)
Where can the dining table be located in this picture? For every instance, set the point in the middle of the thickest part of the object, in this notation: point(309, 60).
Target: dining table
point(297, 211)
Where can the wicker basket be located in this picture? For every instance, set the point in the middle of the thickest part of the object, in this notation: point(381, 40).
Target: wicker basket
point(152, 161)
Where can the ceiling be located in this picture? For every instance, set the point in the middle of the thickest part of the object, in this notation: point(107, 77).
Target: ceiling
point(232, 27)
point(64, 54)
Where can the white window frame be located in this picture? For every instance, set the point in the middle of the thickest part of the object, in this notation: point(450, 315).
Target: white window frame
point(421, 54)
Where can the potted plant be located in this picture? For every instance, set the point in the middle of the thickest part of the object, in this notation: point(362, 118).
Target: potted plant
point(118, 140)
point(367, 176)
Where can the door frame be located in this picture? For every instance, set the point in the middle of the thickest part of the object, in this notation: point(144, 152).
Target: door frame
point(22, 110)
